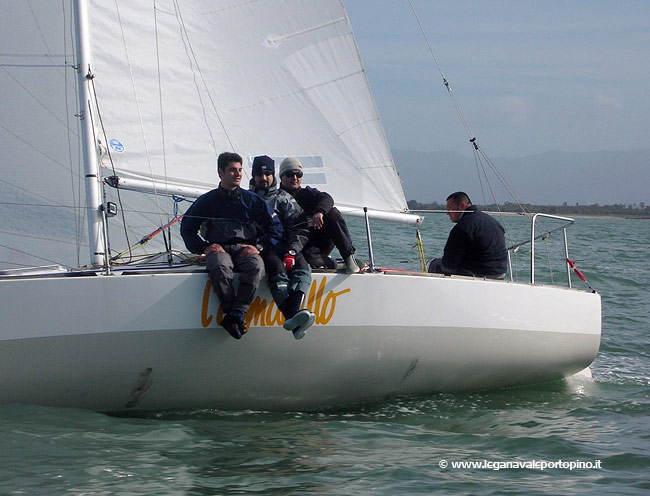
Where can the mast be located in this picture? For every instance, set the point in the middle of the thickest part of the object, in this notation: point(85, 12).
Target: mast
point(91, 170)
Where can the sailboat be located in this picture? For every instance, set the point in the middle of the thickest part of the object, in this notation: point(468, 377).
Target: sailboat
point(113, 116)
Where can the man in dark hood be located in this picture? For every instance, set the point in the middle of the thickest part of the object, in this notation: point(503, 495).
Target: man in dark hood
point(288, 272)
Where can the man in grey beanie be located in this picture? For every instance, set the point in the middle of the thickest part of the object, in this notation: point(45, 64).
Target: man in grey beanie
point(328, 226)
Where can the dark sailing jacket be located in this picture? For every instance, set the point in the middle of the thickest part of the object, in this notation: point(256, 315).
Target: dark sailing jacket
point(293, 218)
point(312, 200)
point(476, 246)
point(230, 217)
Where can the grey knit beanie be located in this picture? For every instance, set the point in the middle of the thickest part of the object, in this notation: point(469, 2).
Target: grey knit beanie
point(289, 164)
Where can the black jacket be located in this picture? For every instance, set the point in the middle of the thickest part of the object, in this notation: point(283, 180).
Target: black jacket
point(230, 217)
point(312, 200)
point(476, 246)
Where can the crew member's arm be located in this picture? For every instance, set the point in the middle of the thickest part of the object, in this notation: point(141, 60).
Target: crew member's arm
point(190, 226)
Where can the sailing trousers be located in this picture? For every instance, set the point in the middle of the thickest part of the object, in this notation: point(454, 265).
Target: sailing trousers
point(282, 283)
point(221, 268)
point(322, 241)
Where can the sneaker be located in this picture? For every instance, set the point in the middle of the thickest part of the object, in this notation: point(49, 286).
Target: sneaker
point(299, 333)
point(299, 323)
point(351, 265)
point(231, 324)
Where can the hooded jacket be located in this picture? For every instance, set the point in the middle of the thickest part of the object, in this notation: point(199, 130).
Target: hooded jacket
point(292, 216)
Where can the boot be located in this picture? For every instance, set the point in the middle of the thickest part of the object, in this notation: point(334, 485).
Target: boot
point(231, 324)
point(292, 304)
point(351, 265)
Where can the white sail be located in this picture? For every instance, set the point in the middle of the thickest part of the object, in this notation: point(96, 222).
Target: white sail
point(180, 82)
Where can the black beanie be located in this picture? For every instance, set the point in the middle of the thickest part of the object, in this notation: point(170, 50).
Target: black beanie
point(263, 163)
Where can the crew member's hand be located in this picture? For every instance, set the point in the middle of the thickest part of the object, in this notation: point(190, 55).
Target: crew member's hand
point(248, 251)
point(289, 262)
point(213, 247)
point(317, 220)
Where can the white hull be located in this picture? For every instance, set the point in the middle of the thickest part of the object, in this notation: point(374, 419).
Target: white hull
point(150, 341)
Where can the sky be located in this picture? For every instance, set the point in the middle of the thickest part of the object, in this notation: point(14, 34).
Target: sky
point(529, 76)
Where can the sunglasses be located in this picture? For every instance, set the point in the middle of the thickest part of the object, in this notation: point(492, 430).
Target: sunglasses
point(292, 174)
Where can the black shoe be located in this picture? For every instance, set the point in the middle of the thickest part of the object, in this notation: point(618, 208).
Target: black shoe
point(231, 324)
point(242, 327)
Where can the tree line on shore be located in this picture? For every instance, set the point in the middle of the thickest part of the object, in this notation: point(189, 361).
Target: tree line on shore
point(641, 211)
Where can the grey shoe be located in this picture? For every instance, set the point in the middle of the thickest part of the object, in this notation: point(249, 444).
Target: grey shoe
point(351, 265)
point(299, 323)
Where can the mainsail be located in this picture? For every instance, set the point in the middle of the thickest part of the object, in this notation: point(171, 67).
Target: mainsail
point(174, 84)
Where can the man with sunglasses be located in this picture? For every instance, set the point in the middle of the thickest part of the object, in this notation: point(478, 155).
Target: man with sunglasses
point(288, 272)
point(328, 227)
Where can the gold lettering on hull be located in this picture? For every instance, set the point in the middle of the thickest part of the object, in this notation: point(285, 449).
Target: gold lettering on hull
point(264, 314)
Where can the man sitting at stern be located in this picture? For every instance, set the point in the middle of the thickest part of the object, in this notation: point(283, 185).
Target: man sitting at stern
point(476, 245)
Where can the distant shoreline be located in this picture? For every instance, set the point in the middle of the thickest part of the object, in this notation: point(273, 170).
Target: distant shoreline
point(585, 211)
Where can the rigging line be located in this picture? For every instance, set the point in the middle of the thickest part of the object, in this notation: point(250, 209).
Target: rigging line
point(187, 44)
point(502, 179)
point(30, 255)
point(137, 102)
point(462, 117)
point(43, 39)
point(479, 161)
point(26, 90)
point(478, 173)
point(110, 159)
point(65, 167)
point(444, 79)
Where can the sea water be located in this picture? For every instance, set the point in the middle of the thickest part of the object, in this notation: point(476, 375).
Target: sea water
point(578, 436)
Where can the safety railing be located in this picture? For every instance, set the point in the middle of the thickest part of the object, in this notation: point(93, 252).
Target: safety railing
point(544, 235)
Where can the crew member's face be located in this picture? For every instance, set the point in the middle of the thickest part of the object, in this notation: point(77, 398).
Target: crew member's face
point(263, 180)
point(451, 206)
point(231, 175)
point(292, 179)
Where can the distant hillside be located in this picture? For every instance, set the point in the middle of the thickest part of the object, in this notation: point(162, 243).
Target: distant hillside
point(552, 178)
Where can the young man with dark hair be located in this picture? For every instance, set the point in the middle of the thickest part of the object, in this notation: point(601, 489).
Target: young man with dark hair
point(229, 220)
